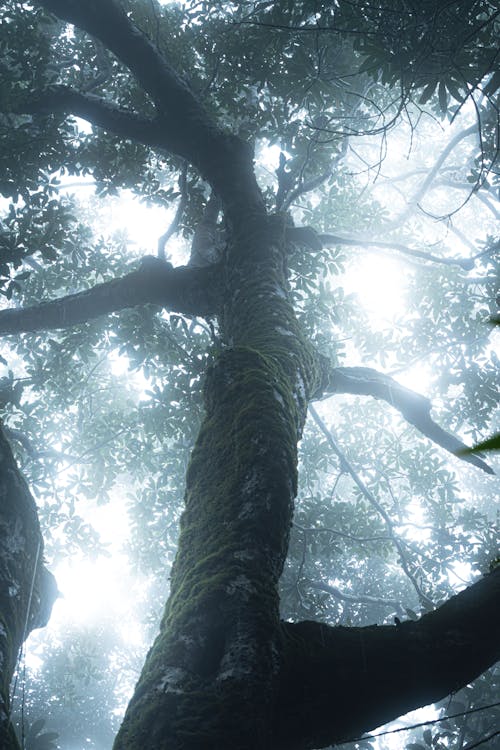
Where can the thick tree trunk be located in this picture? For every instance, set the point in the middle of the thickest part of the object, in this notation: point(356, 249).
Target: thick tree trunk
point(27, 589)
point(210, 678)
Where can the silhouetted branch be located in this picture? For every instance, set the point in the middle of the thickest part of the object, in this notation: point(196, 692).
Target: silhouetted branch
point(181, 206)
point(187, 130)
point(412, 664)
point(365, 381)
point(190, 291)
point(95, 110)
point(356, 598)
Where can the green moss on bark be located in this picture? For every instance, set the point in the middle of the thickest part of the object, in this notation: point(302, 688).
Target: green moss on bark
point(217, 650)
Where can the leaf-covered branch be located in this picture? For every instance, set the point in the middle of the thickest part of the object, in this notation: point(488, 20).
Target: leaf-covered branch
point(365, 381)
point(95, 110)
point(190, 291)
point(224, 160)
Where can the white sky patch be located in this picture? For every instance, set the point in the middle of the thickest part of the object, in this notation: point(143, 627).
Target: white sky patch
point(143, 224)
point(418, 378)
point(120, 367)
point(415, 515)
point(399, 741)
point(380, 283)
point(96, 590)
point(461, 574)
point(93, 590)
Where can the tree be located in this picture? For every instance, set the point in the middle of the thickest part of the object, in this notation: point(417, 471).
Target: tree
point(225, 670)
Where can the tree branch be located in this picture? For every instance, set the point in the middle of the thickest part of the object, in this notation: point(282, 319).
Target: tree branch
point(419, 194)
point(97, 111)
point(423, 598)
point(190, 291)
point(337, 683)
point(365, 381)
point(181, 206)
point(356, 598)
point(223, 159)
point(333, 239)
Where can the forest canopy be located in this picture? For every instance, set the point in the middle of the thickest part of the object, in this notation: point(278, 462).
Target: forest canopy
point(249, 307)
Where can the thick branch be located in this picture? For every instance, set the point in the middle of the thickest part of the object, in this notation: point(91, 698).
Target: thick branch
point(337, 682)
point(365, 381)
point(190, 291)
point(97, 111)
point(224, 160)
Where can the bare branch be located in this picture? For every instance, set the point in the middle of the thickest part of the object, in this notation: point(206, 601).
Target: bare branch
point(334, 239)
point(172, 229)
point(356, 598)
point(417, 197)
point(423, 599)
point(365, 381)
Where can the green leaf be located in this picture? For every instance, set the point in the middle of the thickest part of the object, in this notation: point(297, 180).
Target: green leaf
point(427, 92)
point(491, 444)
point(443, 97)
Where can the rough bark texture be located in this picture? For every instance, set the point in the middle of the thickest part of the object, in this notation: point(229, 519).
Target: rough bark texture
point(27, 589)
point(218, 649)
point(337, 683)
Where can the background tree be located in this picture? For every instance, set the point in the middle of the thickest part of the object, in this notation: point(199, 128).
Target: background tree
point(305, 80)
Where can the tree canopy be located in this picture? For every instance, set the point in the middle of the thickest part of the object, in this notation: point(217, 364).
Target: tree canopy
point(272, 379)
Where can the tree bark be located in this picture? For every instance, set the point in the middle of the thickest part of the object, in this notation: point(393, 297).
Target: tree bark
point(337, 683)
point(191, 291)
point(27, 589)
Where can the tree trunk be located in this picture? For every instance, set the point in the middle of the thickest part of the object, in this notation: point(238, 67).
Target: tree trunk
point(27, 589)
point(210, 678)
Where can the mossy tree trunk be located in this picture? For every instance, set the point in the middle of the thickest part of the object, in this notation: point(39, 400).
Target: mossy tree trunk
point(219, 646)
point(27, 589)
